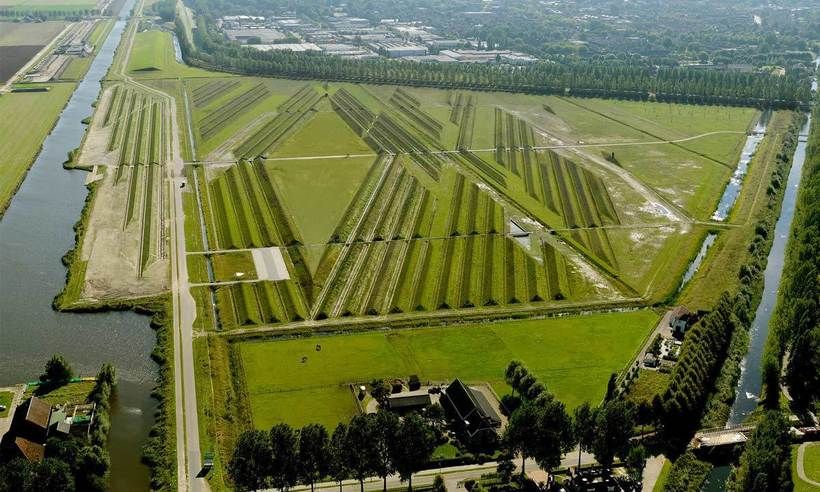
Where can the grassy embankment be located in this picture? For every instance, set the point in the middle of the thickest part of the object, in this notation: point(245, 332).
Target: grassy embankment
point(720, 269)
point(5, 399)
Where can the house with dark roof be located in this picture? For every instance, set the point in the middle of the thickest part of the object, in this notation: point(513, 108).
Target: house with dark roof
point(470, 409)
point(29, 429)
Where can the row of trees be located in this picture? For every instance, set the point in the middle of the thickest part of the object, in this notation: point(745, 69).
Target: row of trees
point(370, 444)
point(797, 318)
point(210, 49)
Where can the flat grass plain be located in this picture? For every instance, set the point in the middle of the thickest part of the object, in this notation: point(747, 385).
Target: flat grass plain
point(19, 144)
point(559, 351)
point(29, 33)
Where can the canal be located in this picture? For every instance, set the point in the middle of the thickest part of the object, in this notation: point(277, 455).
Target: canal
point(35, 232)
point(750, 382)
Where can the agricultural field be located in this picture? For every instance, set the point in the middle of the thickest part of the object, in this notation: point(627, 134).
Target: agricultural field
point(153, 56)
point(556, 350)
point(20, 41)
point(20, 144)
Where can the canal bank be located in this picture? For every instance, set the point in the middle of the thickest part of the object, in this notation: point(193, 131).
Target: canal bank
point(35, 232)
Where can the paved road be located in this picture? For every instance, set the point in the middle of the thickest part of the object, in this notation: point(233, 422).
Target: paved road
point(651, 472)
point(189, 460)
point(453, 476)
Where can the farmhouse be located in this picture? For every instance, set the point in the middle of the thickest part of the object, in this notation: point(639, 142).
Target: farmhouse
point(28, 431)
point(470, 409)
point(680, 319)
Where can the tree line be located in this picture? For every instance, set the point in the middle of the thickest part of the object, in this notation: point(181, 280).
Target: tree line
point(211, 50)
point(377, 444)
point(796, 326)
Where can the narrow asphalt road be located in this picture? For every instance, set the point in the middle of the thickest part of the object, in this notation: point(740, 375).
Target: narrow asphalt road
point(189, 459)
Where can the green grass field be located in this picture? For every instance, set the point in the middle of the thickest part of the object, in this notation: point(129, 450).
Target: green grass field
point(648, 384)
point(19, 144)
point(317, 192)
point(559, 351)
point(5, 400)
point(324, 134)
point(153, 56)
point(71, 393)
point(811, 465)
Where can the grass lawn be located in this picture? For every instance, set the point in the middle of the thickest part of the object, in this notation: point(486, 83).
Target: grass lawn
point(317, 192)
point(325, 134)
point(559, 351)
point(811, 465)
point(69, 393)
point(648, 384)
point(19, 144)
point(5, 399)
point(227, 265)
point(664, 476)
point(153, 57)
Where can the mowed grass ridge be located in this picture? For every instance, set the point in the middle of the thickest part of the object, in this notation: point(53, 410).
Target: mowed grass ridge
point(573, 356)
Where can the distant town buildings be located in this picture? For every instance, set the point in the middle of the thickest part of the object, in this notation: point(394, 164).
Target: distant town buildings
point(357, 38)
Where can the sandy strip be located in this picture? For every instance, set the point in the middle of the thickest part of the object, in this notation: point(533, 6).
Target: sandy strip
point(269, 264)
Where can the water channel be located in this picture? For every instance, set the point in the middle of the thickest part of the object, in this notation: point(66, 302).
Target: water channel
point(34, 234)
point(750, 382)
point(732, 190)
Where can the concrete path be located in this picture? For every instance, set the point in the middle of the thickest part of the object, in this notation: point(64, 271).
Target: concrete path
point(651, 472)
point(801, 470)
